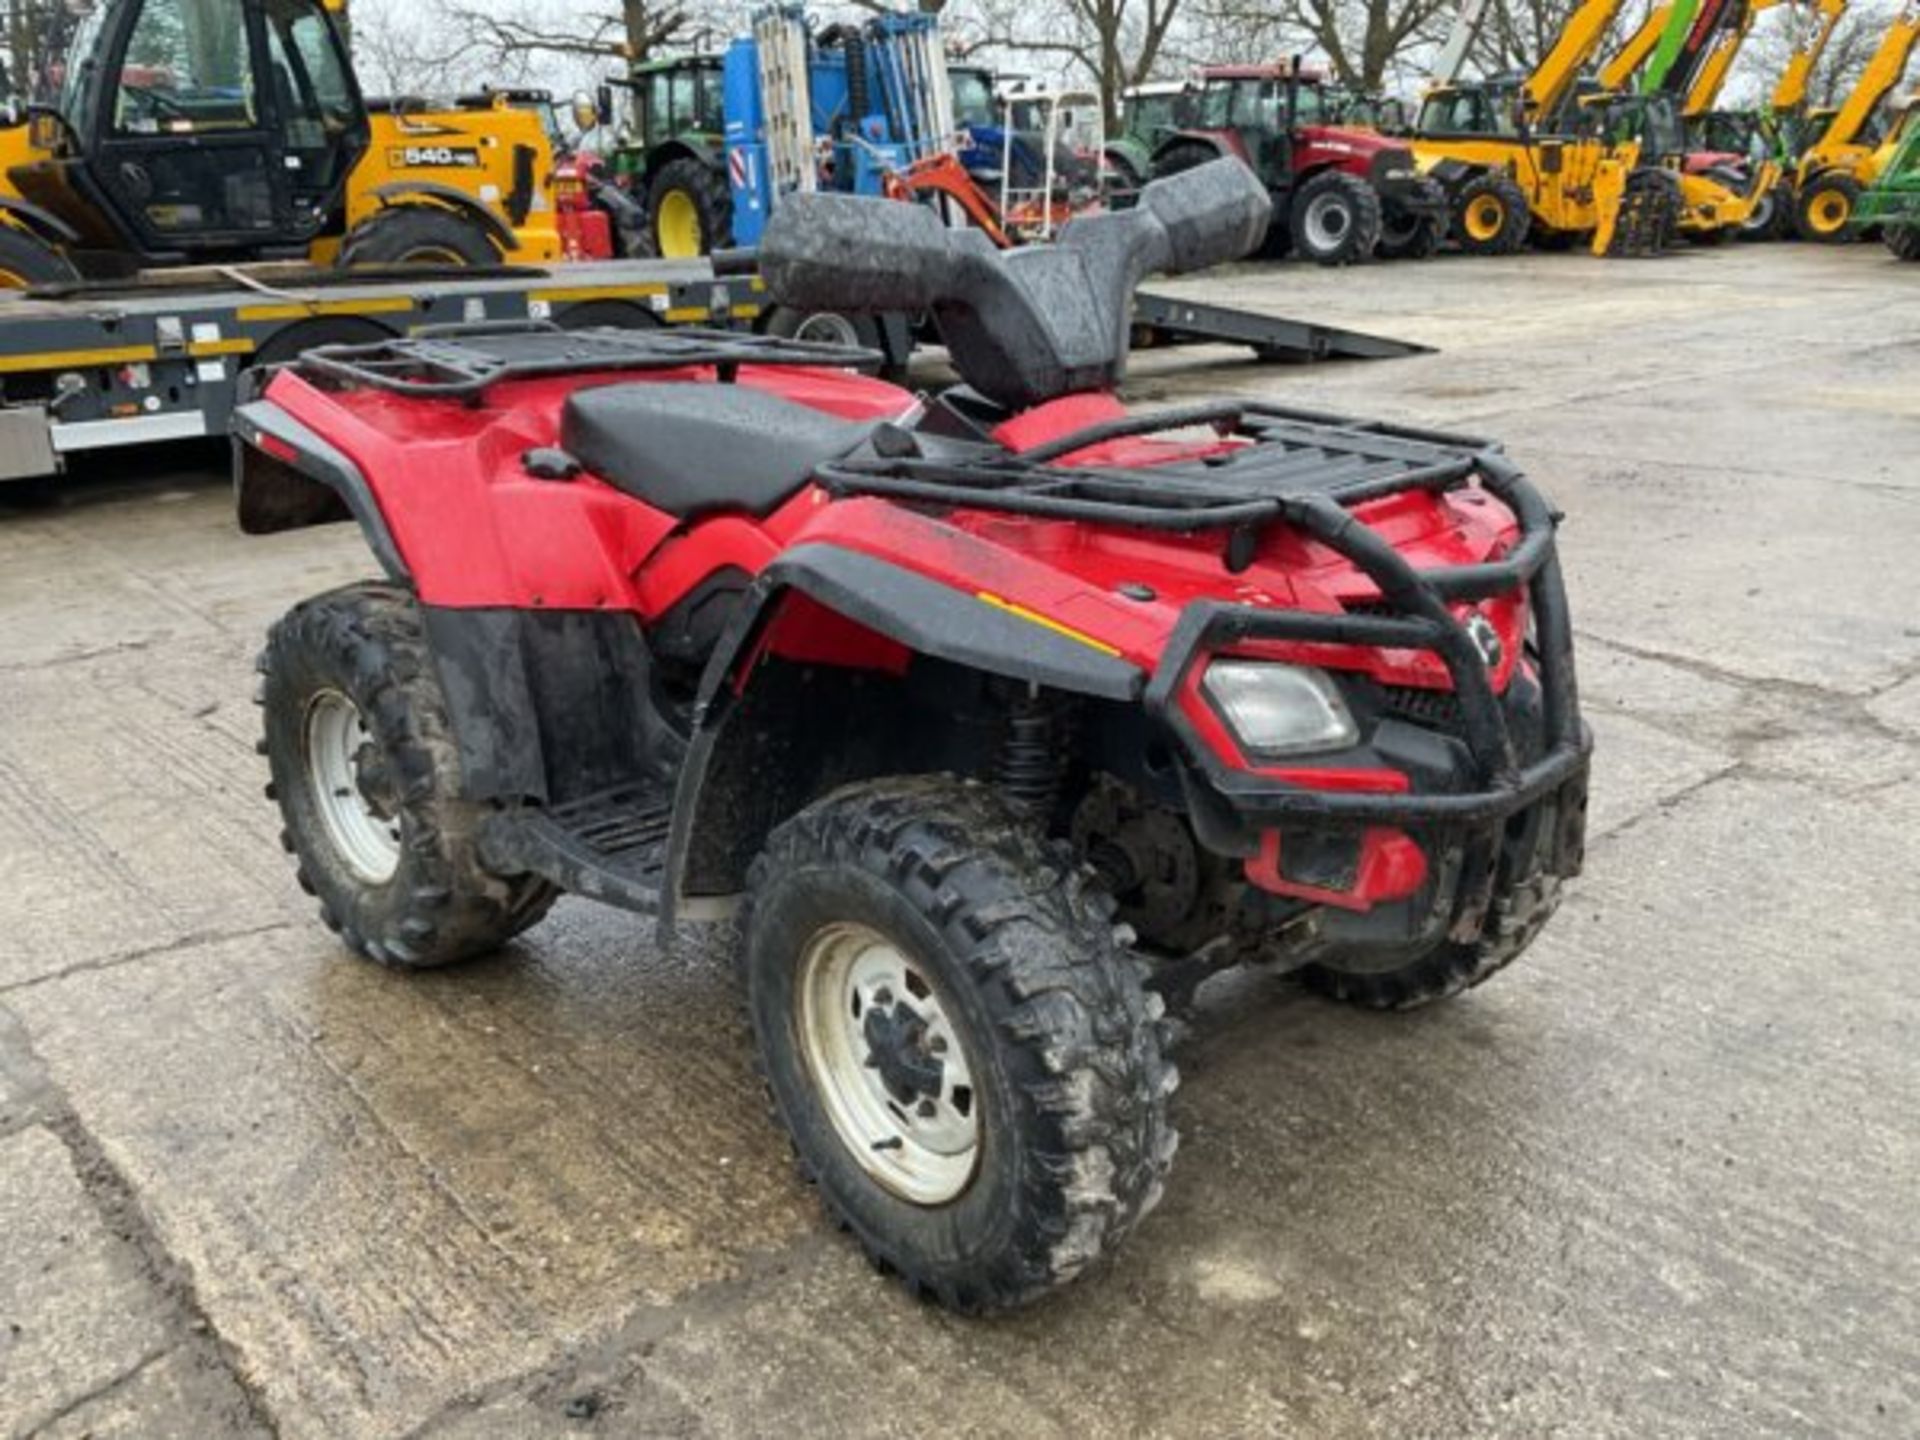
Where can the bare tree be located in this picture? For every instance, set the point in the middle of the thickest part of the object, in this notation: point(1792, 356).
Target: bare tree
point(1516, 34)
point(627, 30)
point(1112, 43)
point(1779, 33)
point(35, 35)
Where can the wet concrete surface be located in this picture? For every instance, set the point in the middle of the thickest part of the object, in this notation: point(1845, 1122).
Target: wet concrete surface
point(1661, 1178)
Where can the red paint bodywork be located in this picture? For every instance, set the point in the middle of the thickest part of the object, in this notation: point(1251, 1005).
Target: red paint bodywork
point(474, 529)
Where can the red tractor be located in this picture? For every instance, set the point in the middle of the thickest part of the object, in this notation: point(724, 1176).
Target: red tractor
point(1340, 194)
point(989, 717)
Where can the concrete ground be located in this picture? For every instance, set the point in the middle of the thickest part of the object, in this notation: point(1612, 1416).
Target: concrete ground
point(1662, 1178)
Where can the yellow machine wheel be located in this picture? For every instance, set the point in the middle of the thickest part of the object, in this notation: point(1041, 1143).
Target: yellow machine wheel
point(418, 235)
point(1826, 207)
point(1484, 218)
point(1491, 216)
point(26, 261)
point(678, 221)
point(691, 209)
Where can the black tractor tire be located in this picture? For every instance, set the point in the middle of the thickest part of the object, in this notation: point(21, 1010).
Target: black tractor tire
point(1335, 219)
point(1824, 208)
point(1769, 219)
point(418, 235)
point(1490, 216)
point(702, 189)
point(1010, 949)
point(1411, 234)
point(1903, 240)
point(1649, 217)
point(363, 644)
point(27, 261)
point(1517, 918)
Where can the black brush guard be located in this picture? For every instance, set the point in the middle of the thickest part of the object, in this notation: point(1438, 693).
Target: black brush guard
point(1309, 471)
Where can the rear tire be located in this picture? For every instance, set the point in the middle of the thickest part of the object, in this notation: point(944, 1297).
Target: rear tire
point(955, 1039)
point(1490, 216)
point(27, 261)
point(1903, 240)
point(1768, 213)
point(830, 327)
point(1335, 219)
point(368, 779)
point(1823, 209)
point(689, 210)
point(418, 235)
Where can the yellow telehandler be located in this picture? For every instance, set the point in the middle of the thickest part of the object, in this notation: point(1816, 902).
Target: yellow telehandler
point(1843, 157)
point(229, 131)
point(1501, 150)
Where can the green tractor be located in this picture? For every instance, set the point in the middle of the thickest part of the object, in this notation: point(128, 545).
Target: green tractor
point(1892, 201)
point(673, 158)
point(1148, 115)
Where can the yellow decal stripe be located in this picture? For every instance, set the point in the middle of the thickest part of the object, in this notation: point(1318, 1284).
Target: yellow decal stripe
point(600, 292)
point(71, 359)
point(999, 603)
point(302, 308)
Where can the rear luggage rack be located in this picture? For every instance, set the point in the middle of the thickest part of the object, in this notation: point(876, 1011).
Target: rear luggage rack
point(462, 362)
point(1298, 457)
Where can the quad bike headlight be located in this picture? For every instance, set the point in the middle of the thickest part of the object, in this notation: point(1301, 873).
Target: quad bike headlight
point(1276, 709)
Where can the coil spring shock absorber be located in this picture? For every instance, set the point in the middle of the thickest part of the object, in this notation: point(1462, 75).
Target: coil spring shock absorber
point(1035, 752)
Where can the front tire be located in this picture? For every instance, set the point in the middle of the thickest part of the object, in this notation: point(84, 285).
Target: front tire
point(1491, 216)
point(26, 261)
point(1824, 209)
point(1903, 240)
point(1335, 219)
point(368, 779)
point(955, 1040)
point(418, 235)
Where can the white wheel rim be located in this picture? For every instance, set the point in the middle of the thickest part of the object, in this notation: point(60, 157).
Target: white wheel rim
point(827, 328)
point(1327, 222)
point(338, 747)
point(870, 1020)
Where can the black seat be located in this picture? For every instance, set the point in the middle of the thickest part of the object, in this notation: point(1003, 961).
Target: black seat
point(691, 449)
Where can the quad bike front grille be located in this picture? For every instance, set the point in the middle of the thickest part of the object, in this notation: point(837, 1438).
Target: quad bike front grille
point(1433, 709)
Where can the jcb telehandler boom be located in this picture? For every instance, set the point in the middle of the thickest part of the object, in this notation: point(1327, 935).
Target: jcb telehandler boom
point(1841, 162)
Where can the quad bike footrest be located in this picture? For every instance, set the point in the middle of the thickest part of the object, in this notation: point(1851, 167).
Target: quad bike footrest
point(610, 846)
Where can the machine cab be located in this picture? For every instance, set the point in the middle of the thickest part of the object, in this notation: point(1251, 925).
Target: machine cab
point(204, 126)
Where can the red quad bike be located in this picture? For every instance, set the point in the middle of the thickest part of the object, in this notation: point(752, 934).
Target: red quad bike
point(988, 717)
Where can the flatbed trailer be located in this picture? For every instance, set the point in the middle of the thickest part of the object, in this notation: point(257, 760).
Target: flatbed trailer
point(106, 366)
point(97, 367)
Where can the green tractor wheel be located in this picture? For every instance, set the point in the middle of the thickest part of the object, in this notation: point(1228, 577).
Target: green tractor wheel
point(691, 209)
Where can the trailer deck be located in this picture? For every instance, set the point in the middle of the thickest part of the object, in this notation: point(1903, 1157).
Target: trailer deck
point(158, 357)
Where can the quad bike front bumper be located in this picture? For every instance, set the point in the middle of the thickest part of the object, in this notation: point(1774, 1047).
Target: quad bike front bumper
point(1460, 828)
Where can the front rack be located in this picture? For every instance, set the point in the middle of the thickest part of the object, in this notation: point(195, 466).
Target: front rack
point(463, 361)
point(1298, 455)
point(1307, 470)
